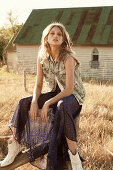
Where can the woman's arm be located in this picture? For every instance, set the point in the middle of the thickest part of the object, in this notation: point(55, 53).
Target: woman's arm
point(39, 82)
point(69, 67)
point(36, 92)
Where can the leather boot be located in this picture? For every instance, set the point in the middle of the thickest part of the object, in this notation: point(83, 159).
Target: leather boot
point(14, 148)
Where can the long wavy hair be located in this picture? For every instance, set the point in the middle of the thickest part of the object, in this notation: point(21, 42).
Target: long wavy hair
point(45, 50)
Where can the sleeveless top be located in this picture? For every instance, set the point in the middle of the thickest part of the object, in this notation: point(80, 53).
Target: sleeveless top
point(54, 72)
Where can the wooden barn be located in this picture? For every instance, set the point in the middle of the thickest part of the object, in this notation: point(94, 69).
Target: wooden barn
point(90, 29)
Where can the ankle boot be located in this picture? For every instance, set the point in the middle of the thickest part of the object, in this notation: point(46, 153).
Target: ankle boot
point(14, 148)
point(75, 161)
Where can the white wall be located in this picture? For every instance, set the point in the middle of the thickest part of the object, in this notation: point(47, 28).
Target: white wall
point(27, 58)
point(105, 70)
point(12, 61)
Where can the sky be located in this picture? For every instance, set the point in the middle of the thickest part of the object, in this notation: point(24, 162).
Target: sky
point(23, 8)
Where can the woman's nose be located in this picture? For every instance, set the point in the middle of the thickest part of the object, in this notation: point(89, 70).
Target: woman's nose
point(55, 35)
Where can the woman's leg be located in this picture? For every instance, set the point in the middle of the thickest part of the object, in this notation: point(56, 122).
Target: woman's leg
point(72, 146)
point(20, 116)
point(69, 108)
point(13, 135)
point(64, 124)
point(18, 123)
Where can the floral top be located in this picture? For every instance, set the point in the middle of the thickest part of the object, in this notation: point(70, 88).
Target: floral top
point(54, 72)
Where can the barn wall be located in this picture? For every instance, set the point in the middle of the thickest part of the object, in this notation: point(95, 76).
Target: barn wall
point(27, 58)
point(105, 69)
point(12, 61)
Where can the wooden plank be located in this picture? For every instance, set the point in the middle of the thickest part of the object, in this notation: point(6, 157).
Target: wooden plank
point(23, 158)
point(20, 160)
point(5, 137)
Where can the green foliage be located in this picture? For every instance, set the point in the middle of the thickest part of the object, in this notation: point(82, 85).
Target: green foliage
point(3, 42)
point(1, 50)
point(6, 33)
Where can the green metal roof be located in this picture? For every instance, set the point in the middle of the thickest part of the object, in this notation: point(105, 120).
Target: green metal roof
point(86, 25)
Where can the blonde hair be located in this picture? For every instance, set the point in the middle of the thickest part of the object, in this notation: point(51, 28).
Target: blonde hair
point(45, 50)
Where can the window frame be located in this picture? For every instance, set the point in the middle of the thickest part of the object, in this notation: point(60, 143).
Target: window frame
point(95, 60)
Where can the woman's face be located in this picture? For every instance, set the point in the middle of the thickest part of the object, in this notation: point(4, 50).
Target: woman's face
point(55, 36)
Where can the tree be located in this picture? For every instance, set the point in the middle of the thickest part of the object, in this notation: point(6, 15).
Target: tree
point(7, 33)
point(13, 23)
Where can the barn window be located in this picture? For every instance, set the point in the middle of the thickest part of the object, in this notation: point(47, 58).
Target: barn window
point(95, 59)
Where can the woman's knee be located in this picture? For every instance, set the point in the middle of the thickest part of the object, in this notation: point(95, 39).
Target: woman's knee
point(61, 104)
point(64, 102)
point(25, 101)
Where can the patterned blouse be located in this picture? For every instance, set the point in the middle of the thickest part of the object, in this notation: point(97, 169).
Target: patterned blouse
point(54, 72)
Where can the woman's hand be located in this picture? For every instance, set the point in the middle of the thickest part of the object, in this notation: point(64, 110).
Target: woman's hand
point(34, 110)
point(44, 112)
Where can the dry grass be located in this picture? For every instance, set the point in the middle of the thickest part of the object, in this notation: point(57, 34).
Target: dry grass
point(96, 123)
point(96, 126)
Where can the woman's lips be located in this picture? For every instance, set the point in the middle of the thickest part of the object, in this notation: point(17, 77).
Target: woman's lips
point(55, 40)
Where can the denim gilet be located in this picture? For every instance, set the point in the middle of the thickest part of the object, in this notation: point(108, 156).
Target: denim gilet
point(54, 72)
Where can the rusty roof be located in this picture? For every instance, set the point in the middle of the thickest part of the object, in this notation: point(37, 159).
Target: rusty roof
point(86, 25)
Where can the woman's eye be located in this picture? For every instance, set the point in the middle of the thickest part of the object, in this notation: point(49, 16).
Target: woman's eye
point(59, 34)
point(52, 33)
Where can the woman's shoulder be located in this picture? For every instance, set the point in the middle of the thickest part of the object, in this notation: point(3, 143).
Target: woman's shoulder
point(42, 59)
point(71, 54)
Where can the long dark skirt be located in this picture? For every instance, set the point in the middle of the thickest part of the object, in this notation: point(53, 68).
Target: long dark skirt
point(40, 138)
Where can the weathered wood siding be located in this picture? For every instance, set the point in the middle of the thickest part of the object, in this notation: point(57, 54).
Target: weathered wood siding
point(105, 69)
point(12, 61)
point(27, 58)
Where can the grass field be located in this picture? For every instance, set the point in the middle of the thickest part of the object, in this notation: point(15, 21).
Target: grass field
point(96, 122)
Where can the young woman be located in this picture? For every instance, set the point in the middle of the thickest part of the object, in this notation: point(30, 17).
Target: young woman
point(59, 66)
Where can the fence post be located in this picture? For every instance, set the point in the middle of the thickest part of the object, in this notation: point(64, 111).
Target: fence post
point(25, 80)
